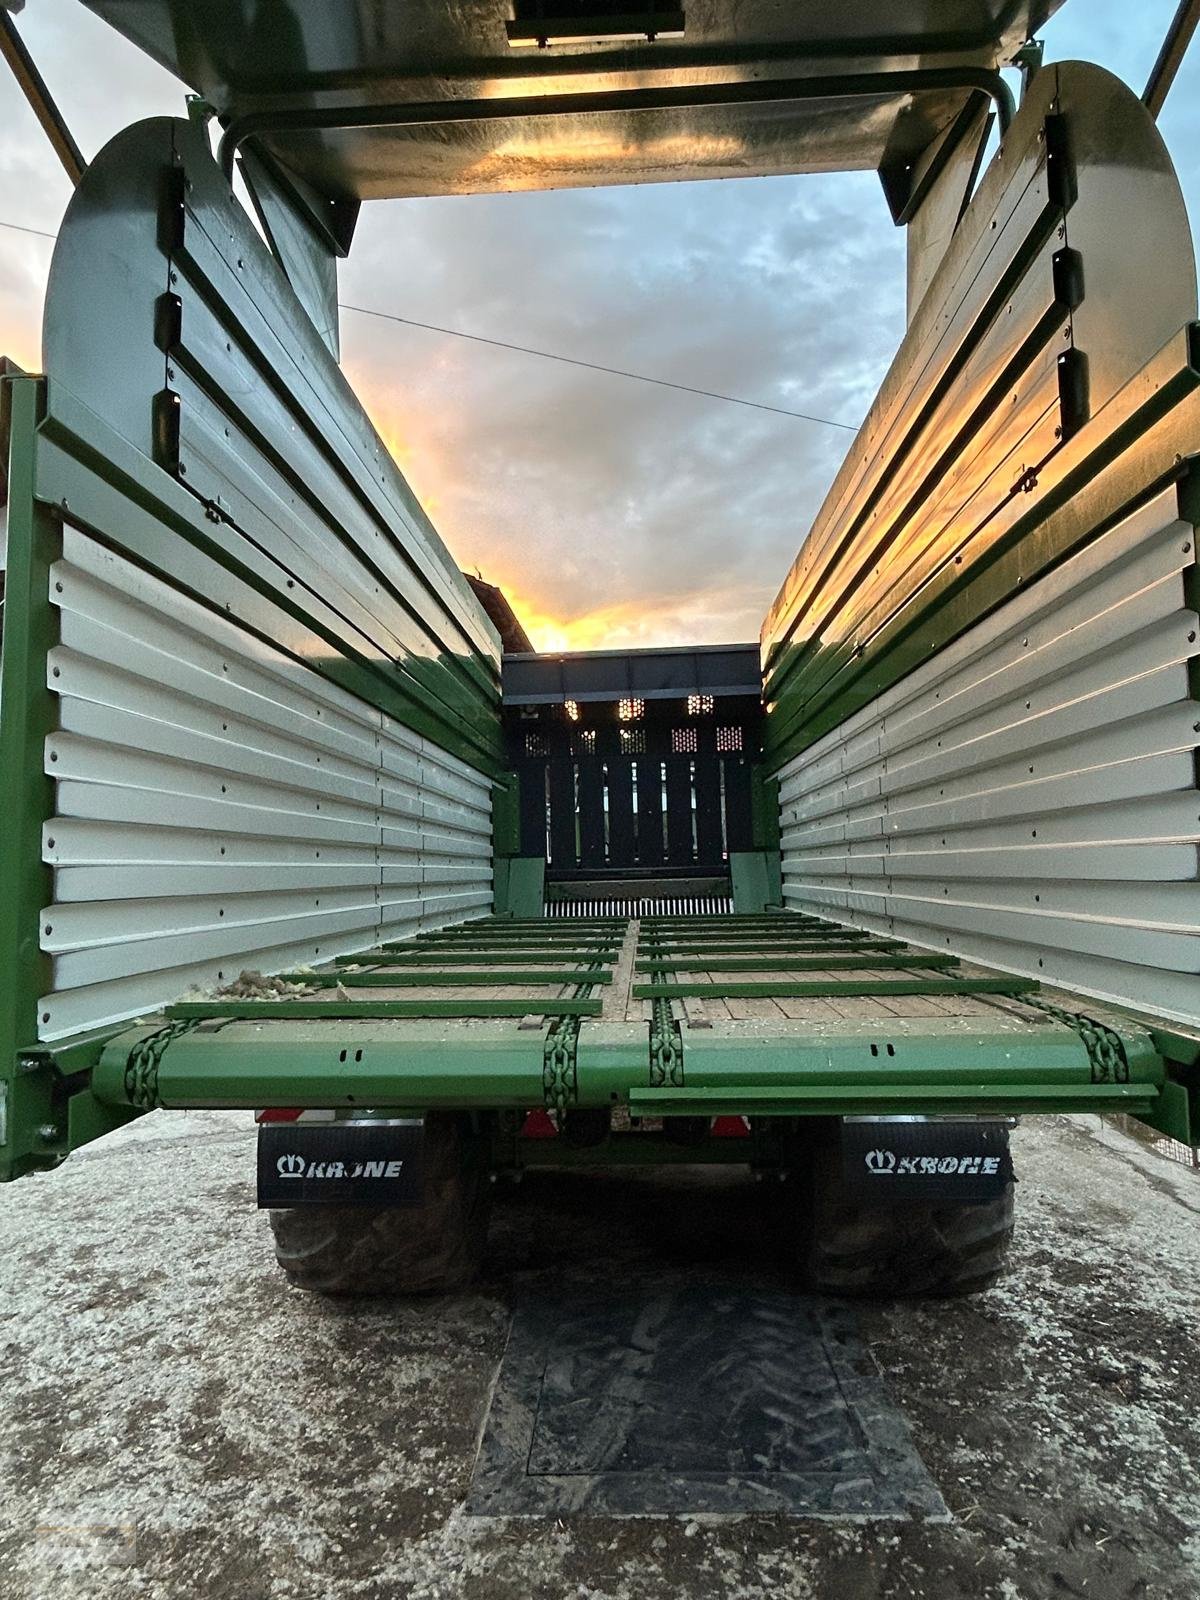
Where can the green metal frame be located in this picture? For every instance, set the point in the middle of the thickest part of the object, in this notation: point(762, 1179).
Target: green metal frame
point(27, 715)
point(346, 1049)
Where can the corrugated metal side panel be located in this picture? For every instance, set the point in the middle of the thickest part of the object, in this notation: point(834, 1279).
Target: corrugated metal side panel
point(1011, 397)
point(221, 806)
point(1028, 797)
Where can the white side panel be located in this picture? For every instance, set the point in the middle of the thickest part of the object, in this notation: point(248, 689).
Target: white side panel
point(1028, 797)
point(221, 807)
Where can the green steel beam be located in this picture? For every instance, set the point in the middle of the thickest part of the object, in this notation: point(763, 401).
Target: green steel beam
point(285, 1064)
point(1013, 1098)
point(449, 957)
point(368, 1010)
point(511, 941)
point(36, 1115)
point(534, 924)
point(776, 926)
point(838, 1067)
point(562, 950)
point(765, 936)
point(489, 977)
point(939, 1068)
point(754, 947)
point(806, 963)
point(500, 931)
point(739, 928)
point(813, 989)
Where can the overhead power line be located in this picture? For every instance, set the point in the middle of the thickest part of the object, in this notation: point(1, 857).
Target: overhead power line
point(550, 355)
point(17, 228)
point(595, 366)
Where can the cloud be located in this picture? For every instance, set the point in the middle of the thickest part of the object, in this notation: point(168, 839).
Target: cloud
point(591, 496)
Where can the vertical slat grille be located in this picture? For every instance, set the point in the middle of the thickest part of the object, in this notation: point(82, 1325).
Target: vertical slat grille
point(644, 906)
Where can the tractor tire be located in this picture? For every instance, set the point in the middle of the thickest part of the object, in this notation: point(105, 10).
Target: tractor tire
point(859, 1250)
point(394, 1250)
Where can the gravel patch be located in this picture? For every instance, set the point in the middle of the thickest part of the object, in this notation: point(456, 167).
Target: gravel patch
point(178, 1422)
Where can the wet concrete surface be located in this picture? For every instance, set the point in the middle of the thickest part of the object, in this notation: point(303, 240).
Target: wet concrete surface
point(177, 1421)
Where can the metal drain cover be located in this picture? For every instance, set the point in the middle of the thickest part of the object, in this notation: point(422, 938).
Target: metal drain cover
point(694, 1400)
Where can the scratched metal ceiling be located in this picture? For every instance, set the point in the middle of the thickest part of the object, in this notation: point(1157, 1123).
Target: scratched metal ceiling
point(330, 56)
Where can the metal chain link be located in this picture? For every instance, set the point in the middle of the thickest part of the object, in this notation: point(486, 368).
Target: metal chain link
point(559, 1082)
point(666, 1045)
point(1105, 1048)
point(141, 1069)
point(666, 1050)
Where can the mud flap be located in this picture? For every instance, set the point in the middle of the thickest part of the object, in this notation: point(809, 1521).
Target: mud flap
point(365, 1163)
point(898, 1160)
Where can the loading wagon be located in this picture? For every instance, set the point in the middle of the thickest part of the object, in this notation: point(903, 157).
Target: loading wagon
point(288, 830)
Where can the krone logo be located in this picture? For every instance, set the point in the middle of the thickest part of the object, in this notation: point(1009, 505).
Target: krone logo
point(290, 1166)
point(880, 1161)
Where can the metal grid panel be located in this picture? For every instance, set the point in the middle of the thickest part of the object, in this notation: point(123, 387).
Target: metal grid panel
point(633, 905)
point(221, 806)
point(1028, 797)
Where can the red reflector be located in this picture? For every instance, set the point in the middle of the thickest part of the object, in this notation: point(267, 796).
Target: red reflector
point(539, 1126)
point(730, 1128)
point(279, 1114)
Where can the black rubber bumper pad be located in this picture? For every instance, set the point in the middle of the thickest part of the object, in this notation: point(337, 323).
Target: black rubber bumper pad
point(693, 1401)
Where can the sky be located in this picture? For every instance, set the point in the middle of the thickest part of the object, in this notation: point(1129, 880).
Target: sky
point(615, 514)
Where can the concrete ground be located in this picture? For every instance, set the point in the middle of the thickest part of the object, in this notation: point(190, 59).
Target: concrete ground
point(175, 1421)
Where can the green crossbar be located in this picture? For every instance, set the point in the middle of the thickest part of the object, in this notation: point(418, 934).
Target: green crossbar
point(807, 947)
point(829, 1098)
point(553, 924)
point(815, 989)
point(765, 936)
point(489, 977)
point(805, 963)
point(666, 924)
point(367, 1010)
point(506, 940)
point(471, 958)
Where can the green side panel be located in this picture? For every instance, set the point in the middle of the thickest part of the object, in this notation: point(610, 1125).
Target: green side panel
point(506, 817)
point(1174, 1114)
point(764, 798)
point(500, 876)
point(756, 880)
point(35, 1121)
point(168, 317)
point(526, 886)
point(89, 1118)
point(520, 881)
point(774, 876)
